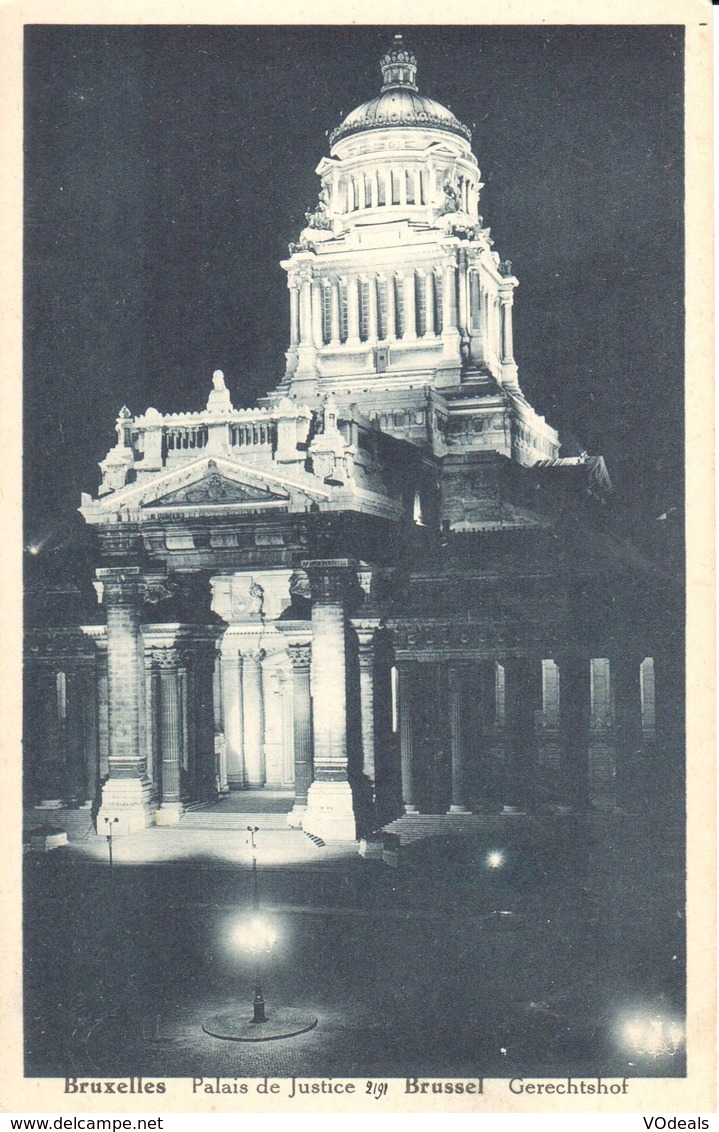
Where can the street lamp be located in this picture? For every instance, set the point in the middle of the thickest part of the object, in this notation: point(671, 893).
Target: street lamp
point(653, 1036)
point(109, 822)
point(257, 935)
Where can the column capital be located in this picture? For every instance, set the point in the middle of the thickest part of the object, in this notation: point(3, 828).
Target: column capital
point(300, 656)
point(330, 579)
point(165, 657)
point(121, 586)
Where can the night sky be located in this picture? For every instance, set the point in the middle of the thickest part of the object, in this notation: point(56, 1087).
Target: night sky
point(167, 168)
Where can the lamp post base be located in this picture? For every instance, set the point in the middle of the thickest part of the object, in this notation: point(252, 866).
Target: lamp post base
point(238, 1026)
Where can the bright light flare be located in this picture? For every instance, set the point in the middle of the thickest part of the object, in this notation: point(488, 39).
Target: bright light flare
point(653, 1035)
point(495, 859)
point(255, 934)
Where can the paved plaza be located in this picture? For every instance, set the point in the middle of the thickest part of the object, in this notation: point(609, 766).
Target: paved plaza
point(447, 965)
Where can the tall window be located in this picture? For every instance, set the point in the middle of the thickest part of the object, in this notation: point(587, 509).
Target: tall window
point(382, 309)
point(367, 191)
point(343, 311)
point(422, 187)
point(394, 177)
point(420, 295)
point(364, 309)
point(381, 191)
point(409, 186)
point(326, 312)
point(438, 281)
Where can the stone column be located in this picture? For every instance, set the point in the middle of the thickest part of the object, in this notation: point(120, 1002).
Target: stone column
point(232, 709)
point(509, 366)
point(410, 313)
point(316, 313)
point(507, 300)
point(253, 718)
point(305, 310)
point(463, 312)
point(127, 795)
point(152, 732)
point(429, 303)
point(206, 783)
point(294, 314)
point(522, 691)
point(391, 308)
point(450, 333)
point(406, 736)
point(302, 729)
point(456, 678)
point(335, 314)
point(625, 676)
point(330, 812)
point(574, 719)
point(219, 723)
point(366, 680)
point(89, 731)
point(353, 338)
point(166, 662)
point(103, 730)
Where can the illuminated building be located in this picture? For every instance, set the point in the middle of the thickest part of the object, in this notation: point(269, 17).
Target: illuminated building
point(383, 587)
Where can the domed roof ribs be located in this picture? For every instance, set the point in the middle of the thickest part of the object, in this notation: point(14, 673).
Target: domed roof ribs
point(399, 103)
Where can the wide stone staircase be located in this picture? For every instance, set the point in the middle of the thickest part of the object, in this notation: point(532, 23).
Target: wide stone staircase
point(418, 827)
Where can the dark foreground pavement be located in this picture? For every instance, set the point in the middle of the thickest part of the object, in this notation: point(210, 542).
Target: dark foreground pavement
point(442, 967)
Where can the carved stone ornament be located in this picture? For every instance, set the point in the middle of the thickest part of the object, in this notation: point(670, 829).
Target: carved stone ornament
point(303, 246)
point(451, 198)
point(215, 489)
point(300, 584)
point(159, 589)
point(247, 598)
point(300, 655)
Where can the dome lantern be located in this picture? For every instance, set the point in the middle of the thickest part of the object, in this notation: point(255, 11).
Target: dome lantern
point(399, 66)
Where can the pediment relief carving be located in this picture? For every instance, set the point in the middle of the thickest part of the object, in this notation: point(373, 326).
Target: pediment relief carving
point(216, 489)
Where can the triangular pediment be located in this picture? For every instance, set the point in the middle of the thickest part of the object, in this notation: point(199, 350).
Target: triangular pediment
point(215, 489)
point(210, 485)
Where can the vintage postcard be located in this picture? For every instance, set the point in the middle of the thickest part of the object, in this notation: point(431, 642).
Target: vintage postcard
point(364, 760)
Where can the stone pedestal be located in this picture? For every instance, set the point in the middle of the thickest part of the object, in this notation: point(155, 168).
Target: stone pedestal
point(127, 796)
point(330, 810)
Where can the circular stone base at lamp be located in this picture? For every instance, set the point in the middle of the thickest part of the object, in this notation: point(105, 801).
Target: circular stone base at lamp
point(237, 1025)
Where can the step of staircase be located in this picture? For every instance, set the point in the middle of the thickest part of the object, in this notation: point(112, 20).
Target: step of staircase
point(217, 819)
point(415, 827)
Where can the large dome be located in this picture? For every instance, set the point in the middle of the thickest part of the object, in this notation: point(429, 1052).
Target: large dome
point(400, 103)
